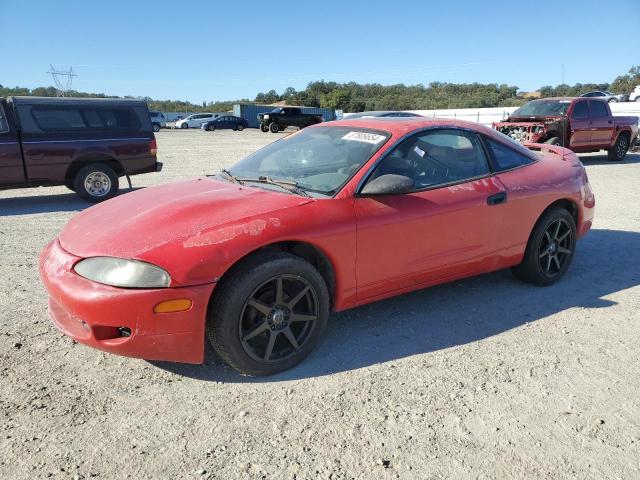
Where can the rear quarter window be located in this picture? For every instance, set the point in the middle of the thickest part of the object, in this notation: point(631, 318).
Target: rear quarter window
point(506, 158)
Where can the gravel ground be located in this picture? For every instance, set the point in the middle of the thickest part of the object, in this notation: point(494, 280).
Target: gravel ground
point(481, 378)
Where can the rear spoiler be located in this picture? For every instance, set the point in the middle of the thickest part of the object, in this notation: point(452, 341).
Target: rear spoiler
point(553, 149)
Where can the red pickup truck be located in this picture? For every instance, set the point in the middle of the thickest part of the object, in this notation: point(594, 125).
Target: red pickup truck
point(581, 124)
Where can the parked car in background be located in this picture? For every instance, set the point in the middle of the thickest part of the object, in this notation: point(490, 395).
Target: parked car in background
point(635, 95)
point(607, 96)
point(158, 120)
point(581, 124)
point(256, 258)
point(83, 143)
point(225, 122)
point(195, 121)
point(382, 113)
point(282, 117)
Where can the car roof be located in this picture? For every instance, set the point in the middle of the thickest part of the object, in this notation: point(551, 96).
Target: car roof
point(404, 125)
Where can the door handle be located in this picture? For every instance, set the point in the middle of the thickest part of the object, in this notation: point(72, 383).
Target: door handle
point(497, 198)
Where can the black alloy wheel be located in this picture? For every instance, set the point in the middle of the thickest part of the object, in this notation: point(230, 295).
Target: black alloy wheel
point(268, 313)
point(278, 318)
point(550, 248)
point(556, 248)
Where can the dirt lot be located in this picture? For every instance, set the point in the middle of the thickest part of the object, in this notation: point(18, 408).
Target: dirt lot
point(482, 378)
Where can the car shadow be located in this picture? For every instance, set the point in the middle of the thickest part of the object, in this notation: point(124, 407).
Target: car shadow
point(603, 160)
point(64, 202)
point(452, 314)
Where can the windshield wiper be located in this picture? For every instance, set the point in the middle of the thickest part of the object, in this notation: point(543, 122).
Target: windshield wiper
point(231, 176)
point(284, 184)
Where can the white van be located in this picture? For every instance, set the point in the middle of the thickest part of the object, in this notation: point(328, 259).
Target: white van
point(195, 120)
point(635, 95)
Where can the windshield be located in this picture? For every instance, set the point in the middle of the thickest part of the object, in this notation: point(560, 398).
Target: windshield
point(543, 107)
point(276, 110)
point(319, 159)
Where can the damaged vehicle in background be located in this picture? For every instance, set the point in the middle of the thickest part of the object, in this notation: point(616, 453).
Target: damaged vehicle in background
point(580, 124)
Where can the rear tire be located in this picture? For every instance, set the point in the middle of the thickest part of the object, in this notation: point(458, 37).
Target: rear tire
point(240, 127)
point(613, 100)
point(96, 182)
point(550, 249)
point(274, 127)
point(259, 331)
point(553, 141)
point(619, 150)
point(156, 127)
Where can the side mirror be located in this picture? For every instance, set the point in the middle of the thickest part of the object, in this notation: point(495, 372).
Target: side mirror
point(388, 185)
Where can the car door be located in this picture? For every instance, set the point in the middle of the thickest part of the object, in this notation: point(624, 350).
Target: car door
point(446, 228)
point(580, 122)
point(602, 126)
point(11, 167)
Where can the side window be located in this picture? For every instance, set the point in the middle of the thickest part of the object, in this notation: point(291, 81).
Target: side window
point(118, 119)
point(598, 109)
point(4, 124)
point(580, 110)
point(435, 158)
point(505, 157)
point(58, 118)
point(93, 119)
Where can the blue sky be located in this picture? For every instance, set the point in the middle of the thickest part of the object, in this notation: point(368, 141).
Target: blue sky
point(214, 50)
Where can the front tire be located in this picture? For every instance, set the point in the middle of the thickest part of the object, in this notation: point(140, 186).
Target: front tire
point(550, 249)
point(619, 150)
point(553, 141)
point(184, 125)
point(268, 314)
point(96, 182)
point(264, 128)
point(274, 127)
point(613, 100)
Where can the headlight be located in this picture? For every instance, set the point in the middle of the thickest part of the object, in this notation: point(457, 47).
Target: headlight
point(266, 117)
point(119, 272)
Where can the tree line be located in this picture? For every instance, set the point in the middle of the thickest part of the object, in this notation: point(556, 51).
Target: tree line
point(356, 97)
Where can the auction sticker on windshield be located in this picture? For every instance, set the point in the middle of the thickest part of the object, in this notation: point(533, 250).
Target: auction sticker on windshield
point(365, 137)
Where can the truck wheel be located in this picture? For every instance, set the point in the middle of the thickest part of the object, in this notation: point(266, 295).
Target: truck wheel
point(268, 314)
point(274, 128)
point(619, 150)
point(156, 127)
point(96, 182)
point(264, 128)
point(552, 141)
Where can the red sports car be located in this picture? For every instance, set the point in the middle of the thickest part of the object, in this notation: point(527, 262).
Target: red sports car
point(334, 216)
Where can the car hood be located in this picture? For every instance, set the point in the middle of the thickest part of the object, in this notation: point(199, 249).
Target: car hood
point(156, 224)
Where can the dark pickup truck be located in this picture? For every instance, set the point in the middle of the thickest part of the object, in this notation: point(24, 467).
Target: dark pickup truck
point(85, 144)
point(282, 117)
point(581, 124)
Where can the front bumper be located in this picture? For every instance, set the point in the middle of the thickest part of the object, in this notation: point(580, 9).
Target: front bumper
point(97, 315)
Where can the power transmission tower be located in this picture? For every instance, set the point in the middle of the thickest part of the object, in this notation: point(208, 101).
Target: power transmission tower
point(62, 79)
